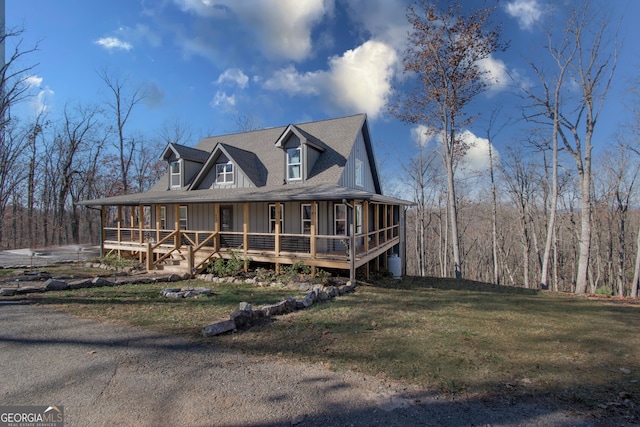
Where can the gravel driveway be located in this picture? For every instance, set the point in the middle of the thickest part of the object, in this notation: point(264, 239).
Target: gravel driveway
point(106, 375)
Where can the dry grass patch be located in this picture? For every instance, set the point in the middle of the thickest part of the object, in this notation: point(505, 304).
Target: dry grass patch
point(462, 338)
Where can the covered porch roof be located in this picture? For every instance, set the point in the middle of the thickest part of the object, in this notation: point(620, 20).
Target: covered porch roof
point(291, 192)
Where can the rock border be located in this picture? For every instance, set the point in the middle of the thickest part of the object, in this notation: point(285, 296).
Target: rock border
point(245, 317)
point(53, 284)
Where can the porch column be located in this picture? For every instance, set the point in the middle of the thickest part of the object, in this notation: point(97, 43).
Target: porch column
point(103, 224)
point(277, 236)
point(385, 222)
point(216, 226)
point(132, 223)
point(352, 244)
point(312, 245)
point(176, 225)
point(140, 231)
point(157, 223)
point(376, 219)
point(245, 237)
point(365, 225)
point(119, 223)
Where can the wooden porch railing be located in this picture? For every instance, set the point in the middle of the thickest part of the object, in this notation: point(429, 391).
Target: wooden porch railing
point(190, 243)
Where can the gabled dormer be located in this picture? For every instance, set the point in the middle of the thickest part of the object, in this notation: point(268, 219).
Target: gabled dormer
point(230, 167)
point(184, 164)
point(300, 153)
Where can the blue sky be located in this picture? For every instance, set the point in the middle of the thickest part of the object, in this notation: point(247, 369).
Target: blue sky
point(207, 62)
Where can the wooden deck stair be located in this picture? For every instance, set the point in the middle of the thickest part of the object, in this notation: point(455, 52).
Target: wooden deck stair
point(178, 262)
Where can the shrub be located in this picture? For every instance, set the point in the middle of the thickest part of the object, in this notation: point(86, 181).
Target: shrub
point(118, 261)
point(229, 267)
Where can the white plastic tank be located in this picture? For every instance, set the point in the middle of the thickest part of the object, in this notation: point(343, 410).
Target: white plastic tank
point(395, 266)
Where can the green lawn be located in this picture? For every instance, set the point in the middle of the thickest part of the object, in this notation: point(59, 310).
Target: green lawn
point(462, 338)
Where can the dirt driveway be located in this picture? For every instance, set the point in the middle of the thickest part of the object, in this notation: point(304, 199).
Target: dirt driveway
point(105, 375)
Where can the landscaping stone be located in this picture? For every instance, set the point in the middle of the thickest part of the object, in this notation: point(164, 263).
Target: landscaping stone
point(80, 284)
point(242, 318)
point(174, 278)
point(219, 328)
point(30, 290)
point(101, 281)
point(7, 292)
point(55, 285)
point(245, 306)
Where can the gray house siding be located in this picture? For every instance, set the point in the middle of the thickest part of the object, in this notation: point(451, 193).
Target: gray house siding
point(240, 180)
point(348, 178)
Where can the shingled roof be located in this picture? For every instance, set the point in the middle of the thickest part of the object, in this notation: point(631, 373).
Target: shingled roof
point(257, 156)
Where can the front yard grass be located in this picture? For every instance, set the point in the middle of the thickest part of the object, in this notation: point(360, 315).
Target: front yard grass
point(461, 338)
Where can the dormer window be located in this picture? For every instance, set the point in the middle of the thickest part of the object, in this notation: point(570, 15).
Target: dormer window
point(224, 173)
point(176, 176)
point(294, 164)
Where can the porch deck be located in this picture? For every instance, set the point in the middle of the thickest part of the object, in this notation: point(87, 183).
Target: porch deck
point(191, 251)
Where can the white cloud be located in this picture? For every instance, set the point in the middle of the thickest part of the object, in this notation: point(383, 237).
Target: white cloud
point(383, 20)
point(357, 81)
point(361, 78)
point(226, 102)
point(114, 43)
point(476, 159)
point(527, 12)
point(422, 135)
point(33, 81)
point(40, 102)
point(291, 81)
point(496, 75)
point(234, 75)
point(283, 27)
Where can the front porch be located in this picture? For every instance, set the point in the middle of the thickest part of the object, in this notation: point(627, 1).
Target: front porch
point(191, 251)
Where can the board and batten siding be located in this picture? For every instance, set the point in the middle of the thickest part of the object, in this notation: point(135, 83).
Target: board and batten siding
point(201, 217)
point(240, 180)
point(348, 178)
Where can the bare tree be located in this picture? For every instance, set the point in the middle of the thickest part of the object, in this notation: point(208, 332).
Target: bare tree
point(123, 98)
point(445, 47)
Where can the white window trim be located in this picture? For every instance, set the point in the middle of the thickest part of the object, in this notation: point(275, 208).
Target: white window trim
point(289, 164)
point(303, 220)
point(184, 221)
point(226, 175)
point(336, 220)
point(163, 217)
point(359, 173)
point(359, 224)
point(173, 174)
point(272, 220)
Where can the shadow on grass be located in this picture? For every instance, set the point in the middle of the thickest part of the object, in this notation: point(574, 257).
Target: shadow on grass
point(449, 284)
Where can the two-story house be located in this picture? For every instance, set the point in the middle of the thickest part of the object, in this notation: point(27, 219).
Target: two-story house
point(305, 192)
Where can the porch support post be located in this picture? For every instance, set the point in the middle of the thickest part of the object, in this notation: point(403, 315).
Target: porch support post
point(103, 224)
point(176, 239)
point(385, 222)
point(157, 223)
point(277, 236)
point(312, 245)
point(190, 259)
point(365, 227)
point(132, 223)
point(352, 244)
point(140, 232)
point(376, 219)
point(119, 227)
point(140, 223)
point(149, 257)
point(245, 237)
point(216, 226)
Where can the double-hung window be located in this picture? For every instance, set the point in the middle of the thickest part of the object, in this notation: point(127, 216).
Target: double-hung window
point(224, 173)
point(306, 218)
point(176, 176)
point(340, 219)
point(163, 217)
point(272, 218)
point(183, 218)
point(358, 219)
point(294, 164)
point(359, 173)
